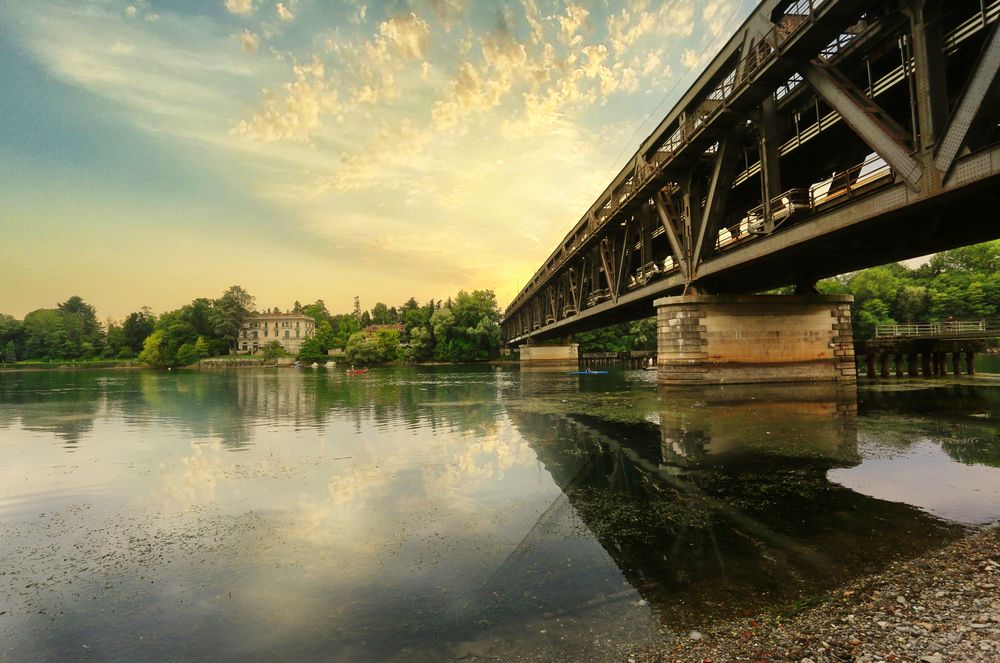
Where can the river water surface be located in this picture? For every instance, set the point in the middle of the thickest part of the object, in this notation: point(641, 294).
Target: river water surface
point(447, 513)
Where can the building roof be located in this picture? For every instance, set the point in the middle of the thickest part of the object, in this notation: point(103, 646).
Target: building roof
point(287, 316)
point(374, 329)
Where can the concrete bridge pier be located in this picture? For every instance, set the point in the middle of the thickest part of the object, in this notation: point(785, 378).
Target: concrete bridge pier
point(567, 354)
point(725, 339)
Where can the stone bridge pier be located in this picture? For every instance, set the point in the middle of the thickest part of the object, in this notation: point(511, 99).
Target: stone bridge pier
point(730, 339)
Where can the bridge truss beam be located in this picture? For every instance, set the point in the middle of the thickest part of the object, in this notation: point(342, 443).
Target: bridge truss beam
point(821, 123)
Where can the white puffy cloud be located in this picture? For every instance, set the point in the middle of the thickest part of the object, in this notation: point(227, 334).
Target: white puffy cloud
point(716, 13)
point(248, 40)
point(243, 7)
point(297, 115)
point(571, 21)
point(284, 13)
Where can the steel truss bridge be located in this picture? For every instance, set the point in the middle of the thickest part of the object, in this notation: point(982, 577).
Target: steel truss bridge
point(826, 136)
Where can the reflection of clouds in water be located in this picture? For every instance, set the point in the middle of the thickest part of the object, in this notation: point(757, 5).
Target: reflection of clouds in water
point(193, 480)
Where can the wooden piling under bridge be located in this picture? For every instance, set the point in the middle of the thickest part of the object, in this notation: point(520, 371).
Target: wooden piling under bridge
point(634, 359)
point(930, 349)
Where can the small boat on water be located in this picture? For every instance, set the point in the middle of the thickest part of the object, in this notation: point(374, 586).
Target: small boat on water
point(357, 371)
point(588, 372)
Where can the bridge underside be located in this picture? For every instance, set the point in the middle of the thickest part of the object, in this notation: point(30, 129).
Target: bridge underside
point(964, 216)
point(826, 137)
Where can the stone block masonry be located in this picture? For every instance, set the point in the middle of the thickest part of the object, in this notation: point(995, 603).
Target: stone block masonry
point(550, 354)
point(730, 339)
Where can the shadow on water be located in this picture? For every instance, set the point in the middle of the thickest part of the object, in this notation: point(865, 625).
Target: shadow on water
point(725, 506)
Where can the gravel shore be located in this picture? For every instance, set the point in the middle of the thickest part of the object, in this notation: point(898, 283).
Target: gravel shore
point(939, 608)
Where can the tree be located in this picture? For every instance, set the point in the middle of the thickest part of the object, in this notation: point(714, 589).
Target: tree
point(380, 315)
point(114, 339)
point(311, 350)
point(9, 356)
point(317, 311)
point(230, 312)
point(151, 354)
point(83, 331)
point(44, 334)
point(137, 327)
point(421, 346)
point(363, 350)
point(357, 309)
point(272, 350)
point(201, 348)
point(366, 320)
point(186, 354)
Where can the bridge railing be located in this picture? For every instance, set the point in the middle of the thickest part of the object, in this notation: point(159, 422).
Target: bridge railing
point(934, 329)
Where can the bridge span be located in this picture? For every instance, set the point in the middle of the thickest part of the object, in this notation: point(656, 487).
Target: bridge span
point(826, 136)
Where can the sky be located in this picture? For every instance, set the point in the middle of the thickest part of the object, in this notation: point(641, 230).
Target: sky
point(155, 151)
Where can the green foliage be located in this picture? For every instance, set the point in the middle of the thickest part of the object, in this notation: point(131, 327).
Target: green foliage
point(9, 354)
point(380, 315)
point(623, 337)
point(272, 350)
point(963, 284)
point(363, 350)
point(230, 312)
point(467, 329)
point(137, 327)
point(317, 311)
point(201, 348)
point(151, 354)
point(187, 355)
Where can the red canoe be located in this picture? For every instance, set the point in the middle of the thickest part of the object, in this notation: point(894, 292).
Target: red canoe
point(357, 371)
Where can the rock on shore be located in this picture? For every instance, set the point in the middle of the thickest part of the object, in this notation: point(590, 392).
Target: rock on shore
point(940, 608)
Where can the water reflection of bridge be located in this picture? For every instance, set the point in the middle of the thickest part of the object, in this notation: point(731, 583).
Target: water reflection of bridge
point(724, 505)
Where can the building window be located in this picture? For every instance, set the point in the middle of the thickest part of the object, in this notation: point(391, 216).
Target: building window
point(255, 334)
point(296, 333)
point(244, 345)
point(286, 333)
point(265, 333)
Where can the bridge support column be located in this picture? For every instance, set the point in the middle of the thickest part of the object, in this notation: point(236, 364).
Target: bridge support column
point(911, 365)
point(970, 363)
point(551, 354)
point(709, 339)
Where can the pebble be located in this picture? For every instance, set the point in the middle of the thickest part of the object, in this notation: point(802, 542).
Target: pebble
point(868, 620)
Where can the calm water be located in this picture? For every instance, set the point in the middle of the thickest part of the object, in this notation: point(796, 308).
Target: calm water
point(439, 513)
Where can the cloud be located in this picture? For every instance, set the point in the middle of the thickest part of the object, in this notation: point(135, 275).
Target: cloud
point(296, 116)
point(571, 21)
point(131, 11)
point(283, 12)
point(248, 40)
point(716, 13)
point(689, 58)
point(242, 7)
point(358, 17)
point(447, 12)
point(406, 35)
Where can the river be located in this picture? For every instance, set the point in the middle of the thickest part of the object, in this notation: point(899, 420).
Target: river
point(446, 513)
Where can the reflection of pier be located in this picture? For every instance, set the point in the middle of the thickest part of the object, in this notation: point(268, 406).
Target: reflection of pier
point(727, 504)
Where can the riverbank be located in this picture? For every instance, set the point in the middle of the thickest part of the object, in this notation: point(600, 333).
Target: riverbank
point(943, 606)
